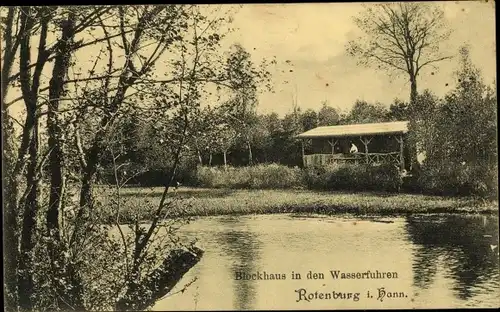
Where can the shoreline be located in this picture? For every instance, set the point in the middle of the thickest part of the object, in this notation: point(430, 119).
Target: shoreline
point(200, 202)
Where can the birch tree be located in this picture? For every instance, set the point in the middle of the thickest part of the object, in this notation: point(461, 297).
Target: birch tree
point(129, 41)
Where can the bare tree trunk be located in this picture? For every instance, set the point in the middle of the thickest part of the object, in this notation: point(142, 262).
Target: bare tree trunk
point(250, 155)
point(199, 157)
point(413, 89)
point(10, 190)
point(11, 45)
point(225, 160)
point(64, 274)
point(413, 101)
point(25, 277)
point(29, 89)
point(86, 197)
point(55, 133)
point(210, 160)
point(198, 152)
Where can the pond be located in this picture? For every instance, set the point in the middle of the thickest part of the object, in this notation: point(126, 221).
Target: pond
point(419, 261)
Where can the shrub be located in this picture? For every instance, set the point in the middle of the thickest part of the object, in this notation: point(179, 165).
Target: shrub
point(358, 177)
point(458, 179)
point(439, 180)
point(274, 176)
point(317, 177)
point(386, 177)
point(157, 176)
point(263, 176)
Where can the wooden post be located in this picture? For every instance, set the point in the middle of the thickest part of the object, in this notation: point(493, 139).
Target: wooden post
point(401, 152)
point(332, 144)
point(365, 143)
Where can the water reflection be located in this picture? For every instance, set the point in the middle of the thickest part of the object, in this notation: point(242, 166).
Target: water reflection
point(464, 245)
point(243, 249)
point(443, 261)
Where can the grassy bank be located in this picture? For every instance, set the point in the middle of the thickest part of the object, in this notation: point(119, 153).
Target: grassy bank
point(446, 180)
point(208, 202)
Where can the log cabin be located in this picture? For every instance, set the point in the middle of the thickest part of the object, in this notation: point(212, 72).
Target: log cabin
point(377, 143)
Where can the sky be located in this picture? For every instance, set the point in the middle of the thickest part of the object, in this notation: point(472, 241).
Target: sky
point(309, 41)
point(313, 37)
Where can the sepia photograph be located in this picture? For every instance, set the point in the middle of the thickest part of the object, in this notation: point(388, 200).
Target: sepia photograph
point(258, 156)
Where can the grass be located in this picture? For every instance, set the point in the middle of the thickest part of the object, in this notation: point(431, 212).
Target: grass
point(209, 202)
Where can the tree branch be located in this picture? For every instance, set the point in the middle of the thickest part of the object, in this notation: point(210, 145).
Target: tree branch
point(434, 61)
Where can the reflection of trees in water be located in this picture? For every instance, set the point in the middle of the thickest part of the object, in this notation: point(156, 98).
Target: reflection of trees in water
point(243, 249)
point(424, 267)
point(462, 242)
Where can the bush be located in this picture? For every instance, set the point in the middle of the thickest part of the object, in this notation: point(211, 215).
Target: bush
point(316, 177)
point(264, 176)
point(458, 179)
point(274, 176)
point(353, 177)
point(158, 176)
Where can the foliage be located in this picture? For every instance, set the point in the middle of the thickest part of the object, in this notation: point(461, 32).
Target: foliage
point(274, 176)
point(354, 177)
point(398, 111)
point(263, 176)
point(466, 122)
point(458, 128)
point(327, 115)
point(459, 137)
point(364, 112)
point(103, 113)
point(120, 116)
point(309, 119)
point(253, 139)
point(463, 180)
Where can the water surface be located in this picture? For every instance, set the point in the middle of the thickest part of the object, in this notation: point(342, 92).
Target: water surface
point(440, 261)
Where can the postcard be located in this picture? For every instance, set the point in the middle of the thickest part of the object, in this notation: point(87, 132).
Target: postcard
point(299, 156)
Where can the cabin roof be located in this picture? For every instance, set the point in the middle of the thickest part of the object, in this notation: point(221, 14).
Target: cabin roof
point(379, 128)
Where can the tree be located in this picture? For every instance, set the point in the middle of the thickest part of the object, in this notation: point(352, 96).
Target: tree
point(423, 117)
point(204, 134)
point(401, 37)
point(289, 145)
point(49, 261)
point(10, 46)
point(261, 138)
point(21, 27)
point(309, 119)
point(364, 112)
point(239, 110)
point(398, 111)
point(458, 135)
point(466, 121)
point(327, 115)
point(227, 137)
point(273, 127)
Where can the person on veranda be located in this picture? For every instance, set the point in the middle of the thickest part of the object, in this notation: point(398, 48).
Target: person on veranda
point(354, 149)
